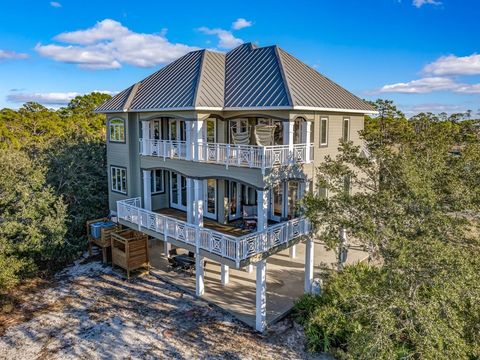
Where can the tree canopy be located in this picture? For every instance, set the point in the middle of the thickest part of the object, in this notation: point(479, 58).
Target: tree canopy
point(52, 179)
point(413, 206)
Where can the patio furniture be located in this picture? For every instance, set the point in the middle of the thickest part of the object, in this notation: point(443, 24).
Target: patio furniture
point(241, 137)
point(264, 134)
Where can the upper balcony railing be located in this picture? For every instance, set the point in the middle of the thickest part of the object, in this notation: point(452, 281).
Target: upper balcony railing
point(252, 156)
point(230, 247)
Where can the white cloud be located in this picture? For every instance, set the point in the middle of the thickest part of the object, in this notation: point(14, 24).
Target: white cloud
point(241, 23)
point(454, 65)
point(420, 3)
point(226, 40)
point(424, 85)
point(430, 84)
point(55, 4)
point(51, 98)
point(9, 55)
point(109, 45)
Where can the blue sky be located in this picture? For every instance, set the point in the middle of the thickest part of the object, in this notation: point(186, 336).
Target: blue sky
point(423, 54)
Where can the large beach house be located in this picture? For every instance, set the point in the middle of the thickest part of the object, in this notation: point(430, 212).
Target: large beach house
point(213, 152)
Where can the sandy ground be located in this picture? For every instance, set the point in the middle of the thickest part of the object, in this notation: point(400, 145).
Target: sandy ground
point(88, 311)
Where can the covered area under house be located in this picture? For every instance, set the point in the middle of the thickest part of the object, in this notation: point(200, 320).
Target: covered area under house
point(225, 222)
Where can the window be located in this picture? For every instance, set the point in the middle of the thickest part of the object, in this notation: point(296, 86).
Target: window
point(324, 131)
point(117, 130)
point(210, 129)
point(346, 129)
point(157, 182)
point(119, 179)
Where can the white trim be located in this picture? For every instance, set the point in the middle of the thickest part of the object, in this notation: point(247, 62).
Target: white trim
point(154, 181)
point(326, 131)
point(205, 201)
point(119, 185)
point(346, 118)
point(251, 108)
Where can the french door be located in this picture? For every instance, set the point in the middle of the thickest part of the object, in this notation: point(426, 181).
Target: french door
point(178, 191)
point(177, 130)
point(234, 200)
point(210, 199)
point(277, 207)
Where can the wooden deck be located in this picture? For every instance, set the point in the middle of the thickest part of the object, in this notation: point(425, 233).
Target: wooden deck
point(227, 229)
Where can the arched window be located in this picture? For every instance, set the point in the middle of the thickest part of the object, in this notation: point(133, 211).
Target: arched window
point(117, 130)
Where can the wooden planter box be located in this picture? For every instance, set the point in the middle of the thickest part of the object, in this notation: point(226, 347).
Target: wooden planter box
point(103, 241)
point(130, 250)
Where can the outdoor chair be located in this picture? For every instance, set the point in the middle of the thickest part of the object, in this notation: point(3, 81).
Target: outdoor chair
point(264, 134)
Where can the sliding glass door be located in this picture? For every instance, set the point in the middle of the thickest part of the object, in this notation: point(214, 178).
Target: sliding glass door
point(210, 199)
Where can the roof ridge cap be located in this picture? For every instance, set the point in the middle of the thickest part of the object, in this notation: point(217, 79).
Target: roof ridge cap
point(199, 79)
point(283, 74)
point(131, 96)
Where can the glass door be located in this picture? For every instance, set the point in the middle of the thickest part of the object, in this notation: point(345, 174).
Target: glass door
point(234, 200)
point(293, 199)
point(178, 191)
point(177, 130)
point(210, 201)
point(276, 202)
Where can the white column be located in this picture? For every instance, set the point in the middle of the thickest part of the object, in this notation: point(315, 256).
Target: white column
point(145, 136)
point(262, 209)
point(189, 139)
point(166, 248)
point(308, 127)
point(261, 297)
point(199, 275)
point(225, 274)
point(249, 268)
point(293, 252)
point(147, 189)
point(198, 202)
point(190, 201)
point(198, 138)
point(309, 255)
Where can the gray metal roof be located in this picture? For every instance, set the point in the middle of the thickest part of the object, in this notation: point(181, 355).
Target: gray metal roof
point(247, 77)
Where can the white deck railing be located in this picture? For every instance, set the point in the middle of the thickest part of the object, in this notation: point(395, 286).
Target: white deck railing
point(262, 157)
point(164, 148)
point(229, 247)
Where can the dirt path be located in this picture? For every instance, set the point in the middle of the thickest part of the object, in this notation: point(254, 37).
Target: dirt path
point(91, 312)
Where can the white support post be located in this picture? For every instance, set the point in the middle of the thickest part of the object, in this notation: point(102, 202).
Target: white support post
point(189, 139)
point(166, 248)
point(147, 189)
point(288, 138)
point(225, 274)
point(249, 268)
point(190, 201)
point(199, 275)
point(261, 297)
point(308, 127)
point(198, 202)
point(262, 209)
point(293, 252)
point(145, 136)
point(309, 256)
point(198, 138)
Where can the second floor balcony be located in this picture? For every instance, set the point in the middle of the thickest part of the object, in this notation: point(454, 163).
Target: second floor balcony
point(252, 156)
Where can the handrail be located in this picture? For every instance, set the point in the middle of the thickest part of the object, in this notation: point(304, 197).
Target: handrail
point(252, 156)
point(227, 246)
